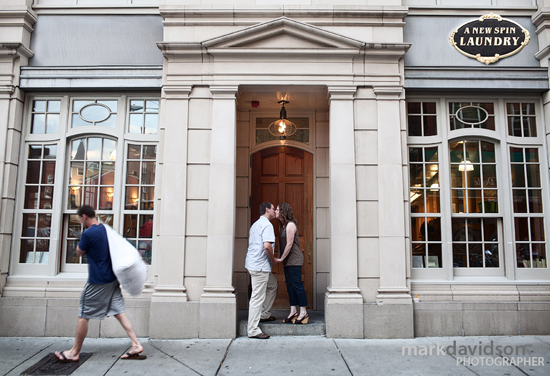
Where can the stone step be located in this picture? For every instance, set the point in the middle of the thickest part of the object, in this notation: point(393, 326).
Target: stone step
point(315, 327)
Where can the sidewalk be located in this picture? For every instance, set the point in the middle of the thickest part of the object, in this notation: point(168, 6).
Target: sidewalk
point(312, 356)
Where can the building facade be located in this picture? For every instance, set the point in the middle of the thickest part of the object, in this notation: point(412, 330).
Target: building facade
point(418, 169)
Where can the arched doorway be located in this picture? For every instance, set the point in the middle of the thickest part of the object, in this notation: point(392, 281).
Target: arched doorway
point(285, 174)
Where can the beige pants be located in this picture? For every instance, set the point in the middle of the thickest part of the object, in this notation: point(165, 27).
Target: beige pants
point(264, 290)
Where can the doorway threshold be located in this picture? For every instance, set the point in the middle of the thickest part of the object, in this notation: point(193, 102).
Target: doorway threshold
point(315, 327)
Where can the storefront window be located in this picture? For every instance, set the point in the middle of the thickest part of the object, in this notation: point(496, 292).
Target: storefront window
point(522, 121)
point(422, 118)
point(472, 115)
point(122, 193)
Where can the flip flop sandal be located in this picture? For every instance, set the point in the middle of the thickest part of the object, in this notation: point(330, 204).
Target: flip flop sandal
point(64, 359)
point(134, 356)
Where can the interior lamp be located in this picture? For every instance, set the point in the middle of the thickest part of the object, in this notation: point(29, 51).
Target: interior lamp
point(466, 166)
point(282, 127)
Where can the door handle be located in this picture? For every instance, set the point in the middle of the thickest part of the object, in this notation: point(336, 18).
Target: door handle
point(309, 252)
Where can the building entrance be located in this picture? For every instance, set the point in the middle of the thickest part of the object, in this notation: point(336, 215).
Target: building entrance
point(285, 174)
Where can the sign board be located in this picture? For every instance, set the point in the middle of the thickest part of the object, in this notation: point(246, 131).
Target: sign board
point(489, 38)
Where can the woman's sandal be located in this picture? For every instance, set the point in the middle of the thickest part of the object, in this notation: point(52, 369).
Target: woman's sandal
point(291, 319)
point(303, 320)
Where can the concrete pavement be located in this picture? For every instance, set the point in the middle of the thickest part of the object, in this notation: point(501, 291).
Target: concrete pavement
point(288, 355)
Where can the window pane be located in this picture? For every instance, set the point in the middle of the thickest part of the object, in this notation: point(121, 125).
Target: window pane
point(44, 225)
point(33, 172)
point(134, 151)
point(415, 155)
point(148, 173)
point(474, 229)
point(38, 124)
point(417, 175)
point(491, 256)
point(147, 199)
point(472, 151)
point(35, 152)
point(132, 173)
point(105, 198)
point(146, 226)
point(491, 201)
point(31, 197)
point(434, 229)
point(130, 225)
point(521, 229)
point(39, 106)
point(54, 106)
point(74, 197)
point(434, 255)
point(537, 229)
point(539, 255)
point(531, 154)
point(417, 200)
point(413, 107)
point(459, 256)
point(523, 255)
point(475, 255)
point(151, 106)
point(72, 257)
point(474, 201)
point(132, 198)
point(94, 149)
point(149, 151)
point(457, 153)
point(529, 127)
point(418, 229)
point(145, 247)
point(535, 201)
point(514, 126)
point(415, 125)
point(78, 149)
point(109, 150)
point(136, 105)
point(77, 173)
point(489, 176)
point(29, 225)
point(431, 154)
point(46, 197)
point(432, 201)
point(151, 123)
point(458, 200)
point(50, 151)
point(90, 196)
point(27, 251)
point(108, 173)
point(533, 175)
point(490, 229)
point(136, 123)
point(518, 175)
point(52, 123)
point(92, 173)
point(520, 201)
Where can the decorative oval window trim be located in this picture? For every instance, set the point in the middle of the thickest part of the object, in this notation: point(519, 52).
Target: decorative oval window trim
point(496, 57)
point(470, 106)
point(95, 104)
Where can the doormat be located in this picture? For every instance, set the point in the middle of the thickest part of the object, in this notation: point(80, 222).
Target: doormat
point(49, 365)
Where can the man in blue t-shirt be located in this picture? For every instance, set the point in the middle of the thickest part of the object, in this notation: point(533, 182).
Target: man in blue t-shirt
point(101, 296)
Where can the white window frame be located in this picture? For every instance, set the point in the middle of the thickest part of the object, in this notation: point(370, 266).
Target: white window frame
point(508, 271)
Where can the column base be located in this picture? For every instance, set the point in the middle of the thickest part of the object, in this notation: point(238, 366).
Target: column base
point(218, 315)
point(388, 320)
point(344, 314)
point(172, 316)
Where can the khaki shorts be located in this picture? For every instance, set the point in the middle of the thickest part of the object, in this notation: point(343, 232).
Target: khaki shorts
point(99, 300)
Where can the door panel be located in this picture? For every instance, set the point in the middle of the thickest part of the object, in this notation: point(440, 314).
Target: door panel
point(284, 174)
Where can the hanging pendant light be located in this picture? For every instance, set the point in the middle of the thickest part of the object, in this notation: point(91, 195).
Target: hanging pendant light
point(282, 127)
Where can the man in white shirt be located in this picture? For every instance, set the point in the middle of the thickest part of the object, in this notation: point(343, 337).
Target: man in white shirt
point(259, 260)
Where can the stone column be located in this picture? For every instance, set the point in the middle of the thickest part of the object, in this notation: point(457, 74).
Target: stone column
point(343, 298)
point(394, 303)
point(218, 312)
point(16, 25)
point(172, 316)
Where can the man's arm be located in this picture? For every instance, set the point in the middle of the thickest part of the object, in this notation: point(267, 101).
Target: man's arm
point(269, 252)
point(80, 252)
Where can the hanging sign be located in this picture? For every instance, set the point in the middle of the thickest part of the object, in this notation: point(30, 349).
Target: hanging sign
point(489, 38)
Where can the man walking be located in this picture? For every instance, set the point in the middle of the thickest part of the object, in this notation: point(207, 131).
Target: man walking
point(259, 260)
point(101, 296)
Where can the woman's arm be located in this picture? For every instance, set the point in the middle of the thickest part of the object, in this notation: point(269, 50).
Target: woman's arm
point(290, 232)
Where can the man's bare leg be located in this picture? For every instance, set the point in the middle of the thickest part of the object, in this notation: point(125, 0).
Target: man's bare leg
point(127, 325)
point(80, 336)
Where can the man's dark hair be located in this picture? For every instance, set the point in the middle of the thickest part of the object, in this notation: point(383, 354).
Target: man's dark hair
point(87, 210)
point(265, 205)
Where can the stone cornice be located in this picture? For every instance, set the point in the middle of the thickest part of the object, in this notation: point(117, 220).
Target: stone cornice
point(18, 17)
point(543, 15)
point(15, 48)
point(318, 16)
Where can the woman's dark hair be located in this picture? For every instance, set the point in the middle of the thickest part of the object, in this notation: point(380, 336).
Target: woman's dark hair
point(87, 210)
point(286, 214)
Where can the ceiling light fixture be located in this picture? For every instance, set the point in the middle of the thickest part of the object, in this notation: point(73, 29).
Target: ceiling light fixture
point(282, 127)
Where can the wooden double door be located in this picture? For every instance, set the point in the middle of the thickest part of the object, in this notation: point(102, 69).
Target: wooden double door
point(285, 174)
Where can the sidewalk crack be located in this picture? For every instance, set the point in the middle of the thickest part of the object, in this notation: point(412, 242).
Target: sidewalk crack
point(224, 356)
point(177, 360)
point(342, 355)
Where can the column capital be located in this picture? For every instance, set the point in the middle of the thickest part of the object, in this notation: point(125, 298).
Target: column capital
point(176, 91)
point(389, 93)
point(341, 92)
point(224, 91)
